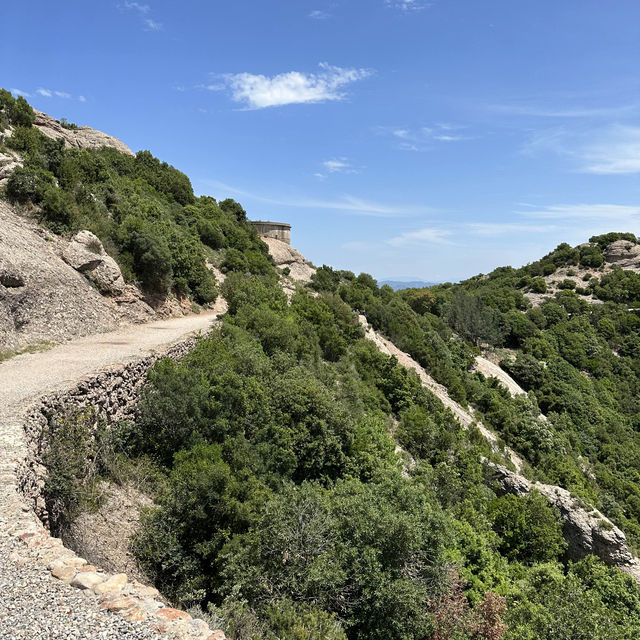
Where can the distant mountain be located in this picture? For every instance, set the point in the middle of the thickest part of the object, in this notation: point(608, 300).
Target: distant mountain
point(396, 285)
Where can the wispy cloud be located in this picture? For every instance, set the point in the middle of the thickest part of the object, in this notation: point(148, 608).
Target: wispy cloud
point(50, 93)
point(408, 5)
point(143, 11)
point(346, 203)
point(20, 92)
point(137, 6)
point(336, 165)
point(420, 237)
point(492, 229)
point(539, 111)
point(573, 212)
point(423, 138)
point(294, 87)
point(608, 150)
point(317, 14)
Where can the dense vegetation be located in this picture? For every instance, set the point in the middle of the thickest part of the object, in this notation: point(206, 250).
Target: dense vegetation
point(283, 508)
point(144, 211)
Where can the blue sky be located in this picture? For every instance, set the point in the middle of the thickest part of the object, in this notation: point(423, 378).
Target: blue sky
point(405, 138)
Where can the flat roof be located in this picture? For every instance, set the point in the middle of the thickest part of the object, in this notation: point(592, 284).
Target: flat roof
point(279, 224)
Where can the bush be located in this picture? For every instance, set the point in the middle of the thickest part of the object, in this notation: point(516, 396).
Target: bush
point(528, 528)
point(27, 184)
point(567, 283)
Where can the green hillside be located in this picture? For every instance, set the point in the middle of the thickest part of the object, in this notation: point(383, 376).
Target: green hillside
point(282, 507)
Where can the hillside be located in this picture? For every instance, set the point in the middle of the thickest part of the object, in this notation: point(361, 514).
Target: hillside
point(336, 459)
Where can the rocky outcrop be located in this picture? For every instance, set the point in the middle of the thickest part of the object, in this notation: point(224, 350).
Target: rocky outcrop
point(586, 530)
point(44, 299)
point(86, 254)
point(285, 256)
point(490, 370)
point(9, 160)
point(80, 138)
point(623, 253)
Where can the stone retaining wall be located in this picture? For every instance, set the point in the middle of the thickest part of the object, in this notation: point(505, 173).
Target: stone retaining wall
point(113, 395)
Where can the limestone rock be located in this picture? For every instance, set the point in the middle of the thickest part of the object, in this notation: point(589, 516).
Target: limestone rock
point(119, 603)
point(66, 574)
point(86, 580)
point(10, 277)
point(86, 254)
point(284, 255)
point(114, 583)
point(9, 160)
point(623, 253)
point(167, 614)
point(80, 138)
point(586, 530)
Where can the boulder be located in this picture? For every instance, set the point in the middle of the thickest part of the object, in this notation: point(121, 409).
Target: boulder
point(10, 277)
point(285, 256)
point(85, 254)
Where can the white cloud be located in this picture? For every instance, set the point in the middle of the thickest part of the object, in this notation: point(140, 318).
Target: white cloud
point(294, 87)
point(319, 15)
point(407, 5)
point(153, 25)
point(604, 151)
point(82, 99)
point(421, 236)
point(49, 93)
point(338, 165)
point(600, 212)
point(423, 138)
point(347, 203)
point(616, 150)
point(19, 92)
point(143, 11)
point(136, 6)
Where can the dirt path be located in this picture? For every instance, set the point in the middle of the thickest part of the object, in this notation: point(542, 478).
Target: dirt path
point(26, 584)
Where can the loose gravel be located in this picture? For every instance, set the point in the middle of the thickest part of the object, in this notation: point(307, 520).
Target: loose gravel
point(34, 605)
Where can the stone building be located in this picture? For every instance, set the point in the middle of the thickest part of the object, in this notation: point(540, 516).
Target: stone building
point(278, 230)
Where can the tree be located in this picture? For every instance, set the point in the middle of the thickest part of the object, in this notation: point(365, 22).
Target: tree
point(528, 527)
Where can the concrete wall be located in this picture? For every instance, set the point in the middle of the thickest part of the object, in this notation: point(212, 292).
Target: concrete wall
point(278, 230)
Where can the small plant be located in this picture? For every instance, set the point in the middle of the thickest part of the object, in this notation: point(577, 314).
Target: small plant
point(65, 124)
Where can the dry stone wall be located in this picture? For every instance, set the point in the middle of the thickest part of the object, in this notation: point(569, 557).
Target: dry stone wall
point(113, 395)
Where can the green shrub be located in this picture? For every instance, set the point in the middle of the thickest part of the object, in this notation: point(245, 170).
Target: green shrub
point(528, 528)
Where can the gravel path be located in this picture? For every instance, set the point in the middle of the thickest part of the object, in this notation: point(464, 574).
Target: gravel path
point(32, 604)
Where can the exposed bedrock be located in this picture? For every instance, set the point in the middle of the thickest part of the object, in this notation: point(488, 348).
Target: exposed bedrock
point(586, 530)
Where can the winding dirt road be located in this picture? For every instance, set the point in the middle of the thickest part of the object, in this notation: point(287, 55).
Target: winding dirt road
point(26, 589)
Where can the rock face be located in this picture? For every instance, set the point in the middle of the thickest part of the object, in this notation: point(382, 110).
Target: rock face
point(623, 253)
point(80, 138)
point(86, 254)
point(44, 299)
point(285, 256)
point(586, 530)
point(9, 160)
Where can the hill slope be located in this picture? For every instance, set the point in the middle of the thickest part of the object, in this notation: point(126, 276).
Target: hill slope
point(308, 485)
